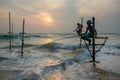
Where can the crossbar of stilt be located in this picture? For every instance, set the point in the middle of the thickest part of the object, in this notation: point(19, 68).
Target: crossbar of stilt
point(96, 44)
point(101, 37)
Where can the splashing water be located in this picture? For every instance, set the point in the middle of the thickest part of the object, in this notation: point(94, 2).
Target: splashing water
point(45, 59)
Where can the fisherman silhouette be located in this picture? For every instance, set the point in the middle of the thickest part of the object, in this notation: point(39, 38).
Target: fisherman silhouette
point(90, 32)
point(79, 29)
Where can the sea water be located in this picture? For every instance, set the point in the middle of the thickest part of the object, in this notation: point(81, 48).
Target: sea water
point(50, 56)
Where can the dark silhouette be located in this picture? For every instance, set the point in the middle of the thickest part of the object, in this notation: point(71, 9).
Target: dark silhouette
point(79, 29)
point(90, 32)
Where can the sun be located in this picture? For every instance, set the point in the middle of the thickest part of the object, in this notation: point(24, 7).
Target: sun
point(48, 19)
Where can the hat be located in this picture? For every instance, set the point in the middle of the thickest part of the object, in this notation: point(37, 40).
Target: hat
point(89, 22)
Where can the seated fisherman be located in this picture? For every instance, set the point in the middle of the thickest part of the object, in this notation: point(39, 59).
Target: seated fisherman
point(87, 35)
point(79, 29)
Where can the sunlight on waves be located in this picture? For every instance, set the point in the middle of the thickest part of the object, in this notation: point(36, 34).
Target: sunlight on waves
point(47, 41)
point(56, 76)
point(53, 62)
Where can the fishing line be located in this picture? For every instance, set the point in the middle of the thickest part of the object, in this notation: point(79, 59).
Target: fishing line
point(65, 38)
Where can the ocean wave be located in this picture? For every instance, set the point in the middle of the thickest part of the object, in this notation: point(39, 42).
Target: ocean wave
point(112, 47)
point(59, 46)
point(4, 37)
point(36, 36)
point(17, 46)
point(4, 58)
point(7, 37)
point(62, 66)
point(18, 36)
point(41, 35)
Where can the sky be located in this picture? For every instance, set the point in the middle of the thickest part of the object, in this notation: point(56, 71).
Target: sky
point(59, 16)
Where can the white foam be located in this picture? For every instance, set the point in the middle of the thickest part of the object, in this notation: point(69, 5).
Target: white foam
point(41, 63)
point(68, 46)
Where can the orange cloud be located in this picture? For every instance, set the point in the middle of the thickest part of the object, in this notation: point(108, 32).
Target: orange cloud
point(45, 19)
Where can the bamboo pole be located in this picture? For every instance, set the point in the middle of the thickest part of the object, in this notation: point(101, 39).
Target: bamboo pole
point(12, 32)
point(82, 20)
point(22, 36)
point(93, 39)
point(9, 31)
point(81, 31)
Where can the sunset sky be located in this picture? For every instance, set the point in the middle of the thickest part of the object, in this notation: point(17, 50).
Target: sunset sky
point(59, 16)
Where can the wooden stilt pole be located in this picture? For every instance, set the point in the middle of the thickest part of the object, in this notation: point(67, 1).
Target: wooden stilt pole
point(81, 31)
point(80, 41)
point(22, 36)
point(10, 31)
point(82, 20)
point(93, 40)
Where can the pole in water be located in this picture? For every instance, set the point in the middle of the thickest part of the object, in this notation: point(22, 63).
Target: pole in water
point(10, 31)
point(81, 31)
point(93, 40)
point(82, 20)
point(22, 36)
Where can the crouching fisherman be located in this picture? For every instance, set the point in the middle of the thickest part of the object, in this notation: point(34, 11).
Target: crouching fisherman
point(90, 32)
point(79, 29)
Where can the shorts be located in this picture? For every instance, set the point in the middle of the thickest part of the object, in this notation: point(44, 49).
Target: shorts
point(89, 35)
point(79, 32)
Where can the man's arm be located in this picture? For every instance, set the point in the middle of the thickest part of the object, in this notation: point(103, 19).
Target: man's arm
point(85, 31)
point(75, 29)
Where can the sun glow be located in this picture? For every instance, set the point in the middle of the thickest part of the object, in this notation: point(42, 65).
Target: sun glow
point(48, 41)
point(46, 19)
point(45, 41)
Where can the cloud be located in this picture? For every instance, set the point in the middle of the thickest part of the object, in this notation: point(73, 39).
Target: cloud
point(28, 7)
point(66, 13)
point(97, 7)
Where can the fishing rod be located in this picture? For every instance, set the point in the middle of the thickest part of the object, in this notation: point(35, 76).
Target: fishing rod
point(65, 38)
point(71, 32)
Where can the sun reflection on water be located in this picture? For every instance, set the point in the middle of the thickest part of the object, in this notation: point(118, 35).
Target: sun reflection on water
point(53, 62)
point(56, 76)
point(45, 41)
point(48, 40)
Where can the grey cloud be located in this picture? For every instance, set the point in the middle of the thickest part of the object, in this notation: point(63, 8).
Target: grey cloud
point(107, 12)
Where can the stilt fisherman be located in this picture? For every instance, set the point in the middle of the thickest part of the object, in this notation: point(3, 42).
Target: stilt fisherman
point(90, 32)
point(79, 29)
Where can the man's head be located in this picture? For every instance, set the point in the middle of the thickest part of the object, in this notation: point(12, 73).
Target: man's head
point(89, 22)
point(78, 23)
